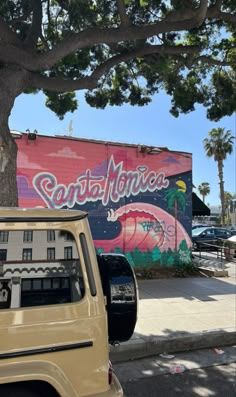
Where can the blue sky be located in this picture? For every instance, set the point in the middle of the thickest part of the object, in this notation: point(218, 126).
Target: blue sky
point(150, 125)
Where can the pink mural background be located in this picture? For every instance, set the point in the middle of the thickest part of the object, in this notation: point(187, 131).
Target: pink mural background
point(124, 188)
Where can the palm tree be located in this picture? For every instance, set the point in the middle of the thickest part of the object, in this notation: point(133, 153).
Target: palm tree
point(176, 199)
point(219, 145)
point(204, 190)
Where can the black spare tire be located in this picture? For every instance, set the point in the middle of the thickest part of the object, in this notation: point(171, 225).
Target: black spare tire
point(120, 288)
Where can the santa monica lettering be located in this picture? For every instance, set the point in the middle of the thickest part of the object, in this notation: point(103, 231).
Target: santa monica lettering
point(116, 184)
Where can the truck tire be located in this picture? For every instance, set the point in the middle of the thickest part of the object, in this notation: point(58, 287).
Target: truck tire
point(17, 391)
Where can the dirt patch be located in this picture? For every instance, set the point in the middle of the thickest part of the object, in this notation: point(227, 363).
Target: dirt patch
point(165, 272)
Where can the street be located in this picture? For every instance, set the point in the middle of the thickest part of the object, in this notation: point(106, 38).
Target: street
point(206, 373)
point(215, 381)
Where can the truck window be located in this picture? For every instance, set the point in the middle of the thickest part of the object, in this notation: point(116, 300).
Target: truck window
point(40, 267)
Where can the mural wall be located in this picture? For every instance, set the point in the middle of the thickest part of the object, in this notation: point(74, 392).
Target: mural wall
point(139, 201)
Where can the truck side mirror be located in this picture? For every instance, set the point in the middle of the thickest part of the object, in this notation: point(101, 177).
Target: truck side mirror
point(120, 288)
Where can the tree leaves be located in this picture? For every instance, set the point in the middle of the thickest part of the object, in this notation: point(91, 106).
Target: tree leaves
point(194, 64)
point(61, 103)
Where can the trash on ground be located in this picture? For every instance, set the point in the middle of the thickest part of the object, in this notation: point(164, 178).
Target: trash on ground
point(177, 369)
point(218, 351)
point(166, 355)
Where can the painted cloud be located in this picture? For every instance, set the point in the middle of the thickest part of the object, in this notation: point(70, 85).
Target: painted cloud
point(23, 162)
point(67, 153)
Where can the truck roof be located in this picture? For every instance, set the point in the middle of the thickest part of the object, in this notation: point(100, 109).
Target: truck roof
point(12, 214)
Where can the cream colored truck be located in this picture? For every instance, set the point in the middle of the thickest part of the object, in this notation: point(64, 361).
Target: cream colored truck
point(58, 308)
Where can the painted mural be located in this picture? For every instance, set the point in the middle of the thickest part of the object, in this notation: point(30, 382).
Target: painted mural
point(138, 203)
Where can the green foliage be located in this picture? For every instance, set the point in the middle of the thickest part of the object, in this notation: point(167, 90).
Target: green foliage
point(151, 259)
point(204, 189)
point(175, 196)
point(219, 144)
point(99, 250)
point(204, 74)
point(156, 254)
point(222, 98)
point(186, 270)
point(61, 103)
point(130, 259)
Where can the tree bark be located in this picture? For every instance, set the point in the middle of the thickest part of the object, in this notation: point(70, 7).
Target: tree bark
point(221, 183)
point(8, 156)
point(12, 83)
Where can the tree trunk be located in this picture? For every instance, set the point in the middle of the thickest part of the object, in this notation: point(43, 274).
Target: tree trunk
point(221, 183)
point(12, 83)
point(8, 156)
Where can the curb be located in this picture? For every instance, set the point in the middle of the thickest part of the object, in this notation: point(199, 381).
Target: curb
point(141, 348)
point(214, 272)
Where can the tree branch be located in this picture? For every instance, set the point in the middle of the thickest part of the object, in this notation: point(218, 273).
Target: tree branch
point(92, 36)
point(87, 38)
point(215, 12)
point(196, 16)
point(6, 34)
point(36, 30)
point(122, 12)
point(17, 55)
point(227, 17)
point(211, 61)
point(90, 82)
point(218, 4)
point(23, 17)
point(107, 36)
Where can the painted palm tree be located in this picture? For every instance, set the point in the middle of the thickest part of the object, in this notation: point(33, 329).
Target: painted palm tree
point(204, 190)
point(219, 145)
point(176, 200)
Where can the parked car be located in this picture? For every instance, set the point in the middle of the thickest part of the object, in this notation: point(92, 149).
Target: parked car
point(230, 247)
point(208, 235)
point(197, 225)
point(232, 229)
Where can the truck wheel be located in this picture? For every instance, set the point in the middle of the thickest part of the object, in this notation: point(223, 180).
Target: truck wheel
point(17, 391)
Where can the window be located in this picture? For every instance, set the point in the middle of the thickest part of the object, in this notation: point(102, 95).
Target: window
point(223, 233)
point(68, 253)
point(28, 236)
point(45, 291)
point(68, 236)
point(49, 277)
point(4, 236)
point(27, 254)
point(3, 255)
point(209, 232)
point(51, 253)
point(51, 235)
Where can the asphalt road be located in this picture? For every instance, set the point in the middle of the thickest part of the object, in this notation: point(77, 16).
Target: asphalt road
point(206, 373)
point(214, 381)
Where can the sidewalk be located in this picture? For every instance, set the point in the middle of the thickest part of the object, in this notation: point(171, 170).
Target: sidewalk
point(182, 314)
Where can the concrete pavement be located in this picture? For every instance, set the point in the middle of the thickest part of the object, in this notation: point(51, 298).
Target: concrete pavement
point(182, 314)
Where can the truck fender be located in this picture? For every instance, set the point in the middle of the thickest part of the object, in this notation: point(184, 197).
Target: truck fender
point(37, 370)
